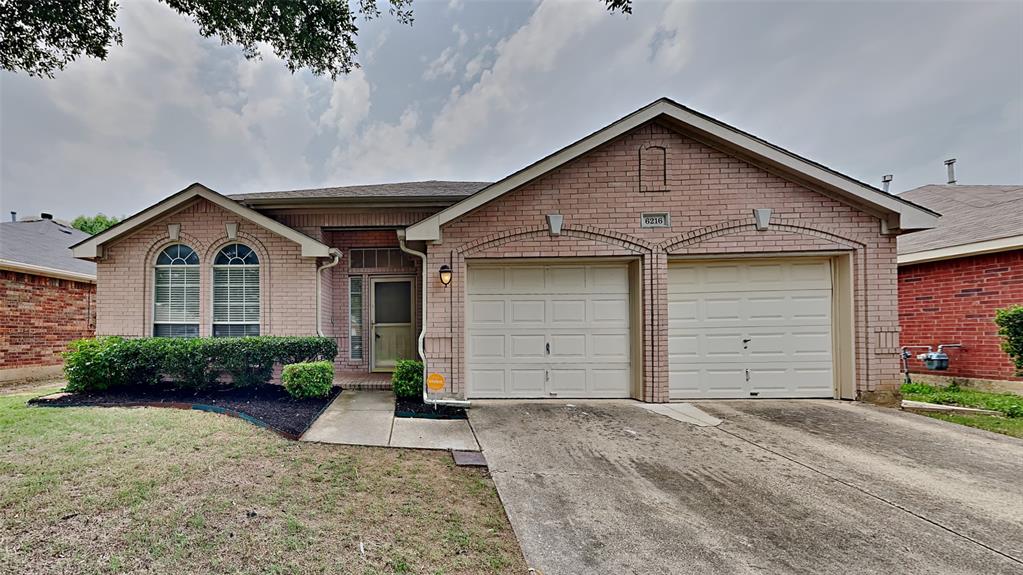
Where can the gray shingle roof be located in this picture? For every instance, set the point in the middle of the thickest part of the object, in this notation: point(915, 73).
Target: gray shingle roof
point(43, 243)
point(969, 214)
point(423, 190)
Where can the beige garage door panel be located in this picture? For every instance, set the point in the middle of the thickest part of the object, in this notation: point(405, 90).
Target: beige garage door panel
point(750, 329)
point(548, 331)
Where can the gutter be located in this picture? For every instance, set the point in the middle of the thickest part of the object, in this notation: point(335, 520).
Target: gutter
point(422, 332)
point(336, 254)
point(46, 271)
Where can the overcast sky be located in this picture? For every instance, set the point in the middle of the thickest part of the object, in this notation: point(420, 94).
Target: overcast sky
point(475, 91)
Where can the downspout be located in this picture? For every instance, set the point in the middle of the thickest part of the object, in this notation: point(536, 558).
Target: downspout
point(336, 254)
point(422, 330)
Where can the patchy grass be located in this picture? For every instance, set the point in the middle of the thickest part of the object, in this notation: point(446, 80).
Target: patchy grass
point(109, 490)
point(1003, 425)
point(1010, 405)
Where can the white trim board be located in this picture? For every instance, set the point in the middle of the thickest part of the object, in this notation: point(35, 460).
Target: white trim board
point(902, 215)
point(93, 247)
point(46, 271)
point(973, 249)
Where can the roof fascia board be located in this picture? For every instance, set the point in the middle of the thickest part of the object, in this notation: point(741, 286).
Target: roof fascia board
point(965, 250)
point(92, 247)
point(909, 215)
point(46, 271)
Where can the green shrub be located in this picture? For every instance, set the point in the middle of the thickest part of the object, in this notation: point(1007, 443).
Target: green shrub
point(1010, 327)
point(309, 379)
point(194, 363)
point(407, 380)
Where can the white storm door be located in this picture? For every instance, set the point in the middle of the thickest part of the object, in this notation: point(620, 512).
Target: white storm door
point(756, 328)
point(555, 330)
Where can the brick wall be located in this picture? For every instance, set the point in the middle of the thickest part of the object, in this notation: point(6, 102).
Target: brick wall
point(40, 316)
point(710, 196)
point(954, 301)
point(125, 273)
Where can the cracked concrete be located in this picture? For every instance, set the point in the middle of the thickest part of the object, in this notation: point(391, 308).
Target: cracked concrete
point(777, 487)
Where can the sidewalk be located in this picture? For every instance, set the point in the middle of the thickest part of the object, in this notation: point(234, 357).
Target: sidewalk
point(359, 417)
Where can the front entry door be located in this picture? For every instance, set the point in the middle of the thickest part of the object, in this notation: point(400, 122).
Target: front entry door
point(392, 322)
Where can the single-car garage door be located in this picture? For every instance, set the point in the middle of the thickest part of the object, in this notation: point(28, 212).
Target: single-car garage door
point(753, 328)
point(548, 331)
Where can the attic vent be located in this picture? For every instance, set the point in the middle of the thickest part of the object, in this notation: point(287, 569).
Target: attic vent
point(653, 169)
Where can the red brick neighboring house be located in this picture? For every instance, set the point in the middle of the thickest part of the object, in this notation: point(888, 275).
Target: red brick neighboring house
point(665, 256)
point(49, 297)
point(952, 278)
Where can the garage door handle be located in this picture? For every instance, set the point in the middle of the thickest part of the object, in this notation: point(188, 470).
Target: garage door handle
point(548, 348)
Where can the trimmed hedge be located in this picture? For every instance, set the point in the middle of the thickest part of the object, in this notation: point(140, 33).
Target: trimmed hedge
point(309, 379)
point(1010, 327)
point(196, 363)
point(407, 379)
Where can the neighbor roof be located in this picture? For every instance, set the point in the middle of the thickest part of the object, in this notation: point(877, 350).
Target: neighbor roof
point(431, 189)
point(93, 247)
point(899, 213)
point(975, 219)
point(42, 247)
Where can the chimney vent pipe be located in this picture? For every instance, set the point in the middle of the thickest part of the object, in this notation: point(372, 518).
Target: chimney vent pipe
point(886, 180)
point(14, 216)
point(951, 164)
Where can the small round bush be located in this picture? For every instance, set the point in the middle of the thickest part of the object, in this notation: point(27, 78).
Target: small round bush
point(407, 380)
point(307, 380)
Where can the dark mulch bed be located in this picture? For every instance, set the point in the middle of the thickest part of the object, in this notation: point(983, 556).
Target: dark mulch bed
point(268, 405)
point(414, 407)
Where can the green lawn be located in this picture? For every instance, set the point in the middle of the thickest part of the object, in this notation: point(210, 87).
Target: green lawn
point(1010, 405)
point(104, 490)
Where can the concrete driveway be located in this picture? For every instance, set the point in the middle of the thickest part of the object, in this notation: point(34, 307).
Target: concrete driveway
point(778, 487)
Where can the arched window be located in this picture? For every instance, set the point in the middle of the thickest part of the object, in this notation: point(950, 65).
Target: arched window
point(176, 293)
point(236, 292)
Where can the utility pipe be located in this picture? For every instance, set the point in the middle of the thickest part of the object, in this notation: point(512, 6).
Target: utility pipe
point(422, 330)
point(336, 254)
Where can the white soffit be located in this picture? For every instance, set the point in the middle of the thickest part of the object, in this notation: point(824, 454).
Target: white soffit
point(906, 216)
point(92, 247)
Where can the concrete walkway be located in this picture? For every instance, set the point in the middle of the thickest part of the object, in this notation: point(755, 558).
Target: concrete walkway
point(360, 417)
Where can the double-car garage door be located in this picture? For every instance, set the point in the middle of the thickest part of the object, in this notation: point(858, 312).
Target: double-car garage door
point(736, 329)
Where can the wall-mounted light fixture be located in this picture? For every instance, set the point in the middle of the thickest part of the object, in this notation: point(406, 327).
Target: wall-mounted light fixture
point(445, 274)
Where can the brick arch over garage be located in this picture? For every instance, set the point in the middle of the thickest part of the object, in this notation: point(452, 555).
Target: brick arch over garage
point(825, 238)
point(741, 238)
point(448, 351)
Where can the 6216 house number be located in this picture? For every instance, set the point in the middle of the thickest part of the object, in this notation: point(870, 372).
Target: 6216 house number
point(655, 220)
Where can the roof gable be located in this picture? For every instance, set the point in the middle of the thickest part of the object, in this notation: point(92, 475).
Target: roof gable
point(899, 214)
point(93, 247)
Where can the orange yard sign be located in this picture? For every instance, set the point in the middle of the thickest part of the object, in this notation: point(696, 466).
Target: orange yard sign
point(435, 382)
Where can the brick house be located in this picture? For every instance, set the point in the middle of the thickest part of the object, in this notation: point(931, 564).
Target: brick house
point(953, 277)
point(665, 256)
point(49, 297)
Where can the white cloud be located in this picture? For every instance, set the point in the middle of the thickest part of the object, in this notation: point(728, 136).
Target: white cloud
point(349, 104)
